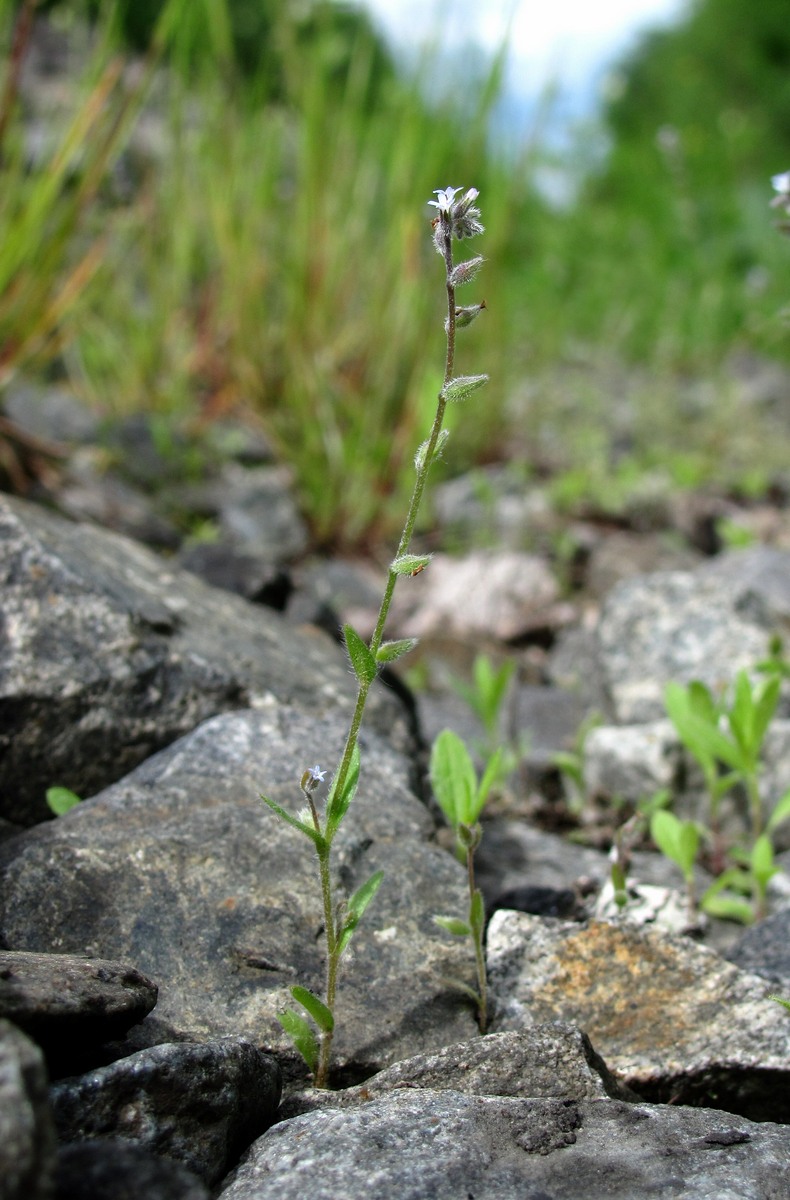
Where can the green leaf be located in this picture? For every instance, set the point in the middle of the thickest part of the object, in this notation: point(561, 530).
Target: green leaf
point(762, 860)
point(315, 1007)
point(781, 1000)
point(678, 840)
point(494, 772)
point(357, 904)
point(454, 779)
point(61, 800)
point(362, 897)
point(781, 812)
point(362, 660)
point(463, 386)
point(301, 1035)
point(477, 912)
point(390, 651)
point(728, 907)
point(454, 925)
point(337, 802)
point(410, 564)
point(316, 838)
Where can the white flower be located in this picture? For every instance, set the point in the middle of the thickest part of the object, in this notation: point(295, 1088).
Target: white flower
point(446, 197)
point(311, 779)
point(781, 183)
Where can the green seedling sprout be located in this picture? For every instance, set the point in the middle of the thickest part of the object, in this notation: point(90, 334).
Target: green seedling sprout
point(679, 841)
point(486, 694)
point(457, 217)
point(462, 797)
point(61, 800)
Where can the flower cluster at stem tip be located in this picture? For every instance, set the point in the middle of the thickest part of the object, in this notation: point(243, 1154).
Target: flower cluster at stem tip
point(461, 215)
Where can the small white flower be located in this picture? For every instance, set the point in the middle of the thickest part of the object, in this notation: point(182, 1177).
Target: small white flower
point(781, 183)
point(311, 779)
point(446, 198)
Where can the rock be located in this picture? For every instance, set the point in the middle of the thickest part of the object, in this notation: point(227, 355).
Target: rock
point(198, 1104)
point(764, 949)
point(675, 626)
point(671, 1019)
point(52, 413)
point(632, 761)
point(88, 492)
point(111, 1169)
point(27, 1134)
point(554, 1060)
point(622, 554)
point(505, 595)
point(492, 506)
point(219, 565)
point(442, 1145)
point(181, 869)
point(257, 513)
point(71, 1005)
point(107, 654)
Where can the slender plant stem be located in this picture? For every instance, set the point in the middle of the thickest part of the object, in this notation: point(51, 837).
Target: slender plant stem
point(322, 1074)
point(477, 938)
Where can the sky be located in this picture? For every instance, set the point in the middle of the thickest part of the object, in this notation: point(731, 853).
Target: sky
point(567, 42)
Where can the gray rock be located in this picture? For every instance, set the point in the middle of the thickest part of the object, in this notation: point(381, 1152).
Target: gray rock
point(764, 949)
point(181, 869)
point(554, 1060)
point(501, 595)
point(107, 654)
point(631, 761)
point(429, 1145)
point(69, 1004)
point(671, 1019)
point(27, 1134)
point(198, 1104)
point(111, 1169)
point(675, 626)
point(622, 554)
point(258, 514)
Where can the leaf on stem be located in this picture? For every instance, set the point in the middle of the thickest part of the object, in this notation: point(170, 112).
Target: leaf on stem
point(454, 779)
point(781, 812)
point(357, 904)
point(454, 925)
point(337, 802)
point(390, 651)
point(362, 660)
point(316, 838)
point(301, 1035)
point(678, 840)
point(462, 386)
point(61, 799)
point(410, 564)
point(315, 1007)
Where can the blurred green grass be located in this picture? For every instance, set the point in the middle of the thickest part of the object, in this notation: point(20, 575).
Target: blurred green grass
point(275, 257)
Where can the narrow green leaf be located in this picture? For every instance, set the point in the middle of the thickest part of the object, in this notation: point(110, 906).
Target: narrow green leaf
point(780, 813)
point(316, 838)
point(462, 386)
point(762, 860)
point(676, 839)
point(453, 778)
point(410, 564)
point(390, 651)
point(460, 986)
point(337, 803)
point(60, 800)
point(765, 708)
point(301, 1035)
point(477, 912)
point(315, 1007)
point(780, 1000)
point(728, 907)
point(454, 925)
point(493, 774)
point(357, 904)
point(362, 660)
point(362, 897)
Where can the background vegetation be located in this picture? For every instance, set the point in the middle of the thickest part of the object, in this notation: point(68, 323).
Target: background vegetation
point(249, 232)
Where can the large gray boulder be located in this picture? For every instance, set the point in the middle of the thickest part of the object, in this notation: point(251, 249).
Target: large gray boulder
point(181, 869)
point(27, 1132)
point(108, 653)
point(443, 1145)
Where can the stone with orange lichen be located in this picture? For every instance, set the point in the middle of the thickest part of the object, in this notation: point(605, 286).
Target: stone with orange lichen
point(670, 1018)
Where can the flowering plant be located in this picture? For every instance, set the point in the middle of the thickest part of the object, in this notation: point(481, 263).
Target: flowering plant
point(456, 218)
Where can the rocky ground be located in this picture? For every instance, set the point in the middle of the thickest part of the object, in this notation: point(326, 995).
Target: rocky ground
point(151, 934)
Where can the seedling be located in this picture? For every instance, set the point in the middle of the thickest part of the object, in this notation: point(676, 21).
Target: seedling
point(462, 797)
